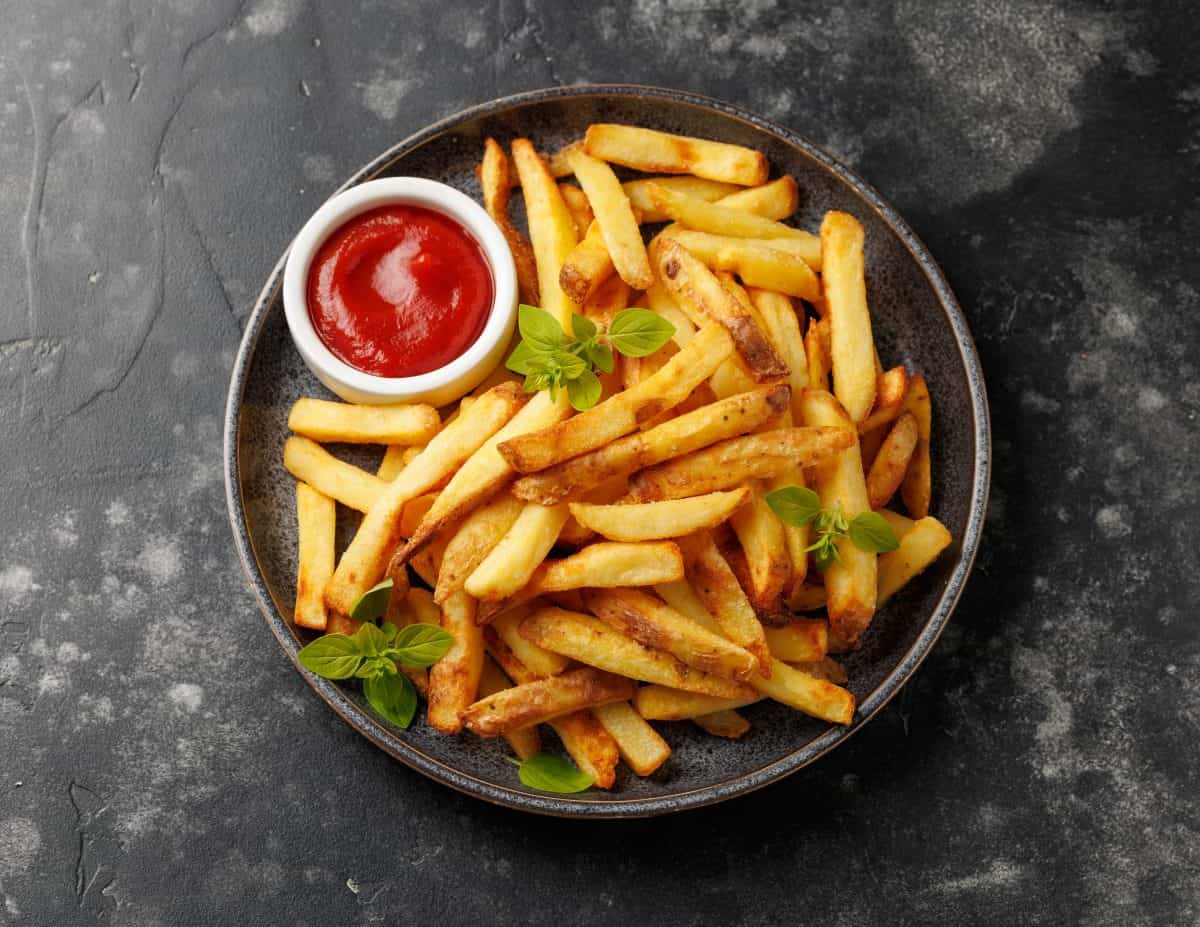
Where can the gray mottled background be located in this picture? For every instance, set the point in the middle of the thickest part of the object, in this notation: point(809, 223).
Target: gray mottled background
point(161, 764)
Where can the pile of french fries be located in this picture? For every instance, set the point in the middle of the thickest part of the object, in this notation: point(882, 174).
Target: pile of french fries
point(604, 569)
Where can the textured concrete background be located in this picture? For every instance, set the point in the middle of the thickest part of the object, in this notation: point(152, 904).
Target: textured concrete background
point(161, 764)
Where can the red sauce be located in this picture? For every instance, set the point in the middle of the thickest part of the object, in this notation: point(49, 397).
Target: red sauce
point(399, 290)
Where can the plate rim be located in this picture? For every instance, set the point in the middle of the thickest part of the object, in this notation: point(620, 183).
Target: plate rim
point(559, 806)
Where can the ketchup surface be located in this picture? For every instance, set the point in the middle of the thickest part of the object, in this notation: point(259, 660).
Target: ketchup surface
point(399, 290)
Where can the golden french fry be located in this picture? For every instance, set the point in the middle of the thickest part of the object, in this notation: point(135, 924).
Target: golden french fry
point(378, 536)
point(851, 345)
point(890, 390)
point(770, 264)
point(817, 353)
point(660, 301)
point(891, 463)
point(414, 512)
point(900, 524)
point(776, 199)
point(918, 549)
point(682, 435)
point(654, 520)
point(659, 152)
point(825, 668)
point(618, 416)
point(659, 627)
point(495, 180)
point(662, 703)
point(850, 582)
point(316, 517)
point(795, 537)
point(578, 206)
point(310, 463)
point(512, 562)
point(727, 723)
point(587, 266)
point(732, 462)
point(473, 541)
point(593, 642)
point(642, 748)
point(454, 679)
point(536, 702)
point(869, 444)
point(557, 162)
point(782, 328)
point(716, 218)
point(616, 219)
point(323, 420)
point(395, 459)
point(609, 298)
point(817, 697)
point(761, 534)
point(540, 661)
point(916, 490)
point(805, 598)
point(638, 192)
point(525, 741)
point(551, 228)
point(802, 640)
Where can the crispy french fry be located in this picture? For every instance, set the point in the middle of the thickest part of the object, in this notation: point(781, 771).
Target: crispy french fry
point(850, 582)
point(716, 218)
point(901, 525)
point(495, 180)
point(761, 534)
point(682, 435)
point(540, 661)
point(825, 668)
point(426, 562)
point(916, 489)
point(659, 627)
point(454, 679)
point(852, 346)
point(578, 206)
point(616, 219)
point(799, 690)
point(340, 624)
point(316, 517)
point(890, 390)
point(918, 549)
point(703, 297)
point(727, 723)
point(310, 463)
point(769, 264)
point(323, 420)
point(782, 328)
point(473, 541)
point(659, 152)
point(805, 598)
point(551, 228)
point(366, 559)
point(511, 563)
point(776, 199)
point(395, 459)
point(618, 416)
point(707, 190)
point(683, 598)
point(654, 520)
point(557, 162)
point(803, 640)
point(593, 642)
point(817, 354)
point(891, 463)
point(525, 741)
point(414, 511)
point(869, 444)
point(642, 748)
point(536, 702)
point(587, 266)
point(609, 298)
point(736, 460)
point(660, 300)
point(662, 703)
point(795, 537)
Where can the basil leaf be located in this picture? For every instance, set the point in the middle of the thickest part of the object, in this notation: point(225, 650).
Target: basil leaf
point(371, 667)
point(638, 332)
point(539, 329)
point(871, 532)
point(393, 697)
point(537, 381)
point(549, 773)
point(333, 656)
point(420, 645)
point(600, 356)
point(389, 631)
point(583, 327)
point(370, 640)
point(584, 391)
point(794, 505)
point(826, 554)
point(571, 366)
point(373, 603)
point(522, 358)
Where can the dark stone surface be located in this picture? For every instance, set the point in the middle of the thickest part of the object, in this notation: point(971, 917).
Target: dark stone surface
point(161, 764)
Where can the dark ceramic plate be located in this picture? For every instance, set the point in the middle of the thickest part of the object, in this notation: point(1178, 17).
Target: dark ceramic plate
point(917, 323)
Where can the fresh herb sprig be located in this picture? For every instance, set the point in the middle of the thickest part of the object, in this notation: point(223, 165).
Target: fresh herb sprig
point(372, 652)
point(869, 531)
point(551, 359)
point(549, 773)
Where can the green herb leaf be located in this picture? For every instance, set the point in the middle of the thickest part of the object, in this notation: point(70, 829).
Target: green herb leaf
point(871, 532)
point(584, 391)
point(539, 329)
point(537, 381)
point(420, 645)
point(583, 327)
point(522, 358)
point(373, 603)
point(638, 332)
point(371, 641)
point(333, 656)
point(372, 666)
point(389, 631)
point(549, 773)
point(795, 505)
point(600, 356)
point(826, 554)
point(571, 366)
point(393, 696)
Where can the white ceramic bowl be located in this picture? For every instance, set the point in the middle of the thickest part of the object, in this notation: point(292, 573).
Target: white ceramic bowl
point(437, 387)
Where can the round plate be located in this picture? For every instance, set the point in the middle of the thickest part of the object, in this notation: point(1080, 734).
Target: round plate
point(917, 323)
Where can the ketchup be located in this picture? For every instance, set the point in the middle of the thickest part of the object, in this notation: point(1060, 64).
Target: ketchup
point(399, 290)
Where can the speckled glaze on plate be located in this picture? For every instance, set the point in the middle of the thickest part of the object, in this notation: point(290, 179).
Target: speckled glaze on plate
point(917, 322)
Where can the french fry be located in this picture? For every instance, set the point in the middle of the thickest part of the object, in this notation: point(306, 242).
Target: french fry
point(654, 520)
point(578, 206)
point(609, 491)
point(414, 512)
point(662, 703)
point(316, 517)
point(659, 627)
point(659, 152)
point(551, 228)
point(609, 298)
point(805, 598)
point(891, 463)
point(776, 199)
point(901, 525)
point(817, 697)
point(495, 180)
point(638, 192)
point(826, 668)
point(536, 702)
point(918, 549)
point(817, 353)
point(557, 162)
point(732, 462)
point(660, 301)
point(635, 369)
point(890, 390)
point(731, 378)
point(426, 562)
point(782, 328)
point(616, 219)
point(916, 488)
point(683, 598)
point(618, 416)
point(850, 582)
point(716, 218)
point(768, 264)
point(395, 459)
point(525, 741)
point(702, 296)
point(768, 562)
point(473, 541)
point(795, 537)
point(323, 420)
point(727, 723)
point(642, 748)
point(511, 563)
point(540, 661)
point(852, 346)
point(869, 444)
point(718, 589)
point(413, 606)
point(682, 435)
point(803, 640)
point(593, 642)
point(310, 463)
point(454, 679)
point(366, 559)
point(587, 266)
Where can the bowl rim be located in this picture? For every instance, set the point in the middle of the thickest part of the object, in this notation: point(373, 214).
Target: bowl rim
point(563, 806)
point(352, 201)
